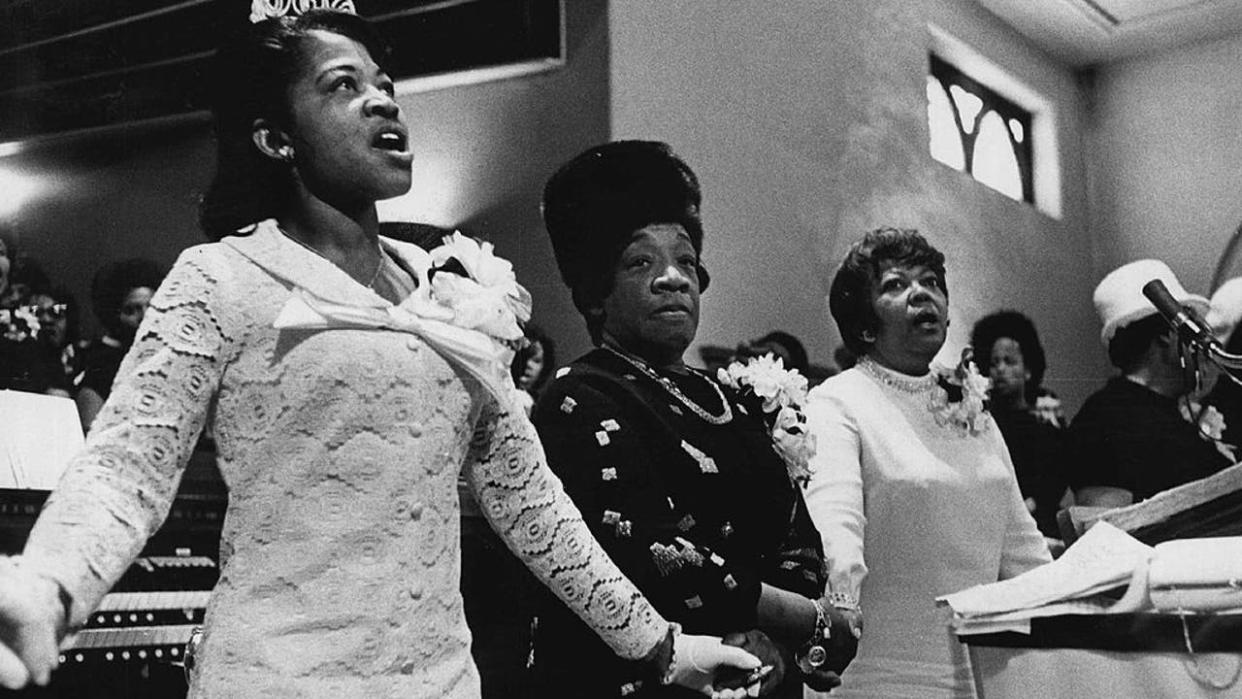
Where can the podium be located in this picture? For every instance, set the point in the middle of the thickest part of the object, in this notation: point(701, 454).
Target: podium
point(1119, 655)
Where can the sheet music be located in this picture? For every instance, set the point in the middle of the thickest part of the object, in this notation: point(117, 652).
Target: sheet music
point(1104, 558)
point(39, 434)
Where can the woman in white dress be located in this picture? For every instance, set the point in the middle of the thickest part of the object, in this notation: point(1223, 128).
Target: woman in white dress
point(348, 378)
point(912, 489)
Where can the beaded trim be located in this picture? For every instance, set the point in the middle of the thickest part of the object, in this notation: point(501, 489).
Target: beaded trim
point(842, 600)
point(725, 417)
point(901, 382)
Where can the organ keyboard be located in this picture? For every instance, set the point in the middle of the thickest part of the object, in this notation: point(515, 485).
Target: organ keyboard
point(133, 645)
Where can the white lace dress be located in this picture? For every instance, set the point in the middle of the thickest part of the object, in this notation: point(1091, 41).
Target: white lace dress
point(910, 509)
point(341, 448)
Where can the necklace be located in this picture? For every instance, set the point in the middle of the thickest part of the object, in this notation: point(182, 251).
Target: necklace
point(905, 384)
point(670, 386)
point(378, 266)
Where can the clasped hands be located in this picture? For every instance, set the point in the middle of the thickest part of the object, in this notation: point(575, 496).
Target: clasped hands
point(727, 675)
point(32, 618)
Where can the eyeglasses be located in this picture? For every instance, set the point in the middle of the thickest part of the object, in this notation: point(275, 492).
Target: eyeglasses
point(56, 310)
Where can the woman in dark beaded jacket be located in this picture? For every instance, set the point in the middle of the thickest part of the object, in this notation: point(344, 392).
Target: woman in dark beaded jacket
point(675, 473)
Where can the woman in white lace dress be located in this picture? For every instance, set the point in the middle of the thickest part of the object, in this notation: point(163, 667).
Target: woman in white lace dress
point(912, 488)
point(347, 381)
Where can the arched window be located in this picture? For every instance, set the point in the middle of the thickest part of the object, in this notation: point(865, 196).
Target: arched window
point(975, 130)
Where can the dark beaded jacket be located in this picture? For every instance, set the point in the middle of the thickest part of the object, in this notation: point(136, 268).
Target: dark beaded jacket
point(697, 514)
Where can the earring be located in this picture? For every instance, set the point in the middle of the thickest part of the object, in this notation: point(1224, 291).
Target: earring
point(868, 336)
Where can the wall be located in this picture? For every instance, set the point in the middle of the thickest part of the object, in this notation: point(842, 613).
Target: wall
point(482, 153)
point(806, 122)
point(1165, 135)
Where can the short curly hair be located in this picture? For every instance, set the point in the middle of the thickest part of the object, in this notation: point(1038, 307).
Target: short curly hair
point(1019, 328)
point(114, 281)
point(849, 299)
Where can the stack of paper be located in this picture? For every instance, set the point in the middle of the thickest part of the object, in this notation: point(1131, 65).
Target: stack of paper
point(1104, 559)
point(1208, 507)
point(38, 436)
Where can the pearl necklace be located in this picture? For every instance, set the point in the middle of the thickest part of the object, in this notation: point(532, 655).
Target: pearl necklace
point(378, 266)
point(888, 377)
point(670, 386)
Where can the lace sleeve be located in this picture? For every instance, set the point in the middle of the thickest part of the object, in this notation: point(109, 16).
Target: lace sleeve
point(118, 490)
point(528, 508)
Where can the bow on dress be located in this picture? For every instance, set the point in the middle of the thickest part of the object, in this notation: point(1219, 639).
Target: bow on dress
point(473, 319)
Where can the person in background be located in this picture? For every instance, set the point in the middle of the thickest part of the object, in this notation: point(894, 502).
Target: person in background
point(533, 364)
point(8, 251)
point(778, 344)
point(23, 276)
point(58, 316)
point(675, 473)
point(1008, 347)
point(27, 363)
point(912, 488)
point(120, 294)
point(791, 352)
point(1142, 433)
point(1224, 317)
point(347, 390)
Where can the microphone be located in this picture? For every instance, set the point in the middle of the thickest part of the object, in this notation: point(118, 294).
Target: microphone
point(1190, 327)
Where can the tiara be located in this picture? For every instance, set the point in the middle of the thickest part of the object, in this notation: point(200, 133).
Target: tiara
point(264, 9)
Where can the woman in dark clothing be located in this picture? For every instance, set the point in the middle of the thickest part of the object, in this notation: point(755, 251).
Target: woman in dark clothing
point(675, 473)
point(1007, 345)
point(120, 293)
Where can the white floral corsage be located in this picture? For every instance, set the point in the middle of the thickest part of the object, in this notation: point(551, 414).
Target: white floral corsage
point(781, 393)
point(1211, 424)
point(959, 399)
point(19, 324)
point(481, 290)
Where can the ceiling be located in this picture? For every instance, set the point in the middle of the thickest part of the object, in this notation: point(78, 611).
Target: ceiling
point(78, 66)
point(1088, 32)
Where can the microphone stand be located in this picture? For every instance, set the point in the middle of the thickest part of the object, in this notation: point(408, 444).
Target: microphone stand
point(1225, 360)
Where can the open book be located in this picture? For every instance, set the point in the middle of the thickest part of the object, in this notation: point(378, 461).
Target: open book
point(1107, 571)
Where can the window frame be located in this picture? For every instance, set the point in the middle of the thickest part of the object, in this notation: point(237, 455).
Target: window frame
point(948, 75)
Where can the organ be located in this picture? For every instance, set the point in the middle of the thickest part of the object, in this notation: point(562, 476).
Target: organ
point(133, 645)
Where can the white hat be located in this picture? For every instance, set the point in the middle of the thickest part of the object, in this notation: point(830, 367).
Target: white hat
point(1119, 296)
point(1226, 308)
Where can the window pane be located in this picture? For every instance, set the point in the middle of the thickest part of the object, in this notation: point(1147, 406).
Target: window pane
point(994, 161)
point(968, 104)
point(945, 141)
point(1015, 128)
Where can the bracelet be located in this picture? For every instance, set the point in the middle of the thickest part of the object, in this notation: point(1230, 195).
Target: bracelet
point(841, 600)
point(813, 654)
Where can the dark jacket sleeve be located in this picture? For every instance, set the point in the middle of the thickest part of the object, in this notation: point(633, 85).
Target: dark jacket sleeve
point(798, 566)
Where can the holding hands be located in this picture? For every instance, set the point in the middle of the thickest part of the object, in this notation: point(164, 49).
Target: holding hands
point(699, 661)
point(32, 618)
point(830, 651)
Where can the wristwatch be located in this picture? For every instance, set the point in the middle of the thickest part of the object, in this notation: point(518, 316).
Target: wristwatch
point(813, 653)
